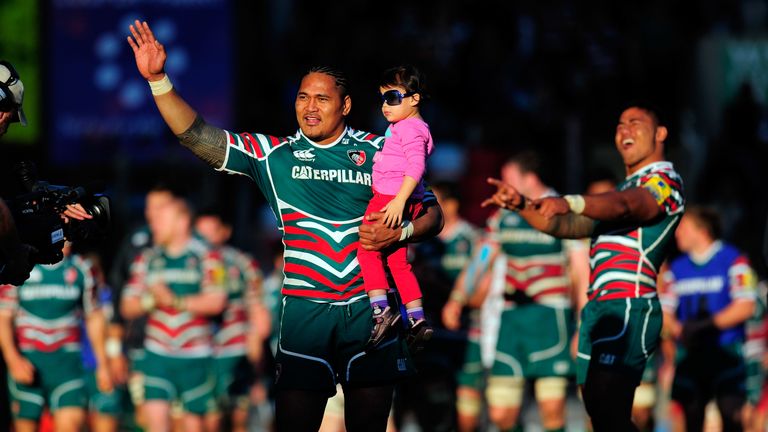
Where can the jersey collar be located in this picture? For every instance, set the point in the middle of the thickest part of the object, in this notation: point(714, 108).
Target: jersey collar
point(56, 265)
point(338, 140)
point(704, 257)
point(655, 166)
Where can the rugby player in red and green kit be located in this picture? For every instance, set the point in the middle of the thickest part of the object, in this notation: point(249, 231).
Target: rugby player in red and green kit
point(630, 229)
point(318, 184)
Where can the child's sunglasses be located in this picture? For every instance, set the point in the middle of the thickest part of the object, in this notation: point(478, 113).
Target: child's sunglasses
point(394, 97)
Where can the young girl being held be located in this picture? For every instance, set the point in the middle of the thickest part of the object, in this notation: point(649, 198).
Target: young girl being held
point(397, 191)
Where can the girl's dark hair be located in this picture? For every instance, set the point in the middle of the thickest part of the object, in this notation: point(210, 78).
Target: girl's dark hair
point(407, 77)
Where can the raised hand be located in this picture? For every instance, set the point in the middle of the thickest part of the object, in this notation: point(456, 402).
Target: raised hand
point(150, 54)
point(505, 196)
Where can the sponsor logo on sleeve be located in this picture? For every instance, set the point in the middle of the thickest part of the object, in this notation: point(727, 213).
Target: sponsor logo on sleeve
point(658, 188)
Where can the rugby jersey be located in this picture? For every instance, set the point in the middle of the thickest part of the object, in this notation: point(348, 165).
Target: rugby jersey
point(458, 243)
point(319, 194)
point(197, 269)
point(243, 290)
point(625, 257)
point(51, 304)
point(537, 263)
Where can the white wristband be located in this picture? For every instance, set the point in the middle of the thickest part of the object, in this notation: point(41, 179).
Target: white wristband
point(576, 203)
point(113, 348)
point(162, 86)
point(406, 230)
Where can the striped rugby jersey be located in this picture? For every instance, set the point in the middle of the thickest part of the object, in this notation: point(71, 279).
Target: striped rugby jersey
point(537, 263)
point(458, 248)
point(318, 194)
point(624, 257)
point(243, 289)
point(51, 304)
point(196, 270)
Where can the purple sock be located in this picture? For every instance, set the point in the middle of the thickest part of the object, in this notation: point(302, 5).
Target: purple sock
point(379, 302)
point(415, 313)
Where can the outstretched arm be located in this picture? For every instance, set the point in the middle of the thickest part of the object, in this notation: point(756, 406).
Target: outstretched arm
point(207, 142)
point(561, 218)
point(634, 204)
point(566, 225)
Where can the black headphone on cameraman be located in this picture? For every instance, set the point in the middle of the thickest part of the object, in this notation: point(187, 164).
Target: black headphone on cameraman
point(7, 102)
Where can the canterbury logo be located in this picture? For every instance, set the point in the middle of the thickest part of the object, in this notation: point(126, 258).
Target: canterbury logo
point(305, 155)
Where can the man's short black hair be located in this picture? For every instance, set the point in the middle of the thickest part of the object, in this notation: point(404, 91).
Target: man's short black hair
point(342, 81)
point(173, 189)
point(447, 190)
point(650, 108)
point(529, 161)
point(600, 174)
point(706, 218)
point(214, 211)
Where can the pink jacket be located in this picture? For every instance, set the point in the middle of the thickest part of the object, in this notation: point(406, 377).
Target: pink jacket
point(407, 145)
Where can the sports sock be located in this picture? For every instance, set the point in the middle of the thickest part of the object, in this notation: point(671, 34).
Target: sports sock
point(379, 303)
point(415, 313)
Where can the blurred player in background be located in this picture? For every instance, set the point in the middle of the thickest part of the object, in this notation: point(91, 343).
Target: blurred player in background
point(755, 355)
point(244, 326)
point(180, 285)
point(104, 408)
point(41, 343)
point(542, 274)
point(126, 336)
point(710, 295)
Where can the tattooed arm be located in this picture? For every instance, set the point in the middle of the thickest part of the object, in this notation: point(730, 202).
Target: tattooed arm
point(553, 215)
point(207, 142)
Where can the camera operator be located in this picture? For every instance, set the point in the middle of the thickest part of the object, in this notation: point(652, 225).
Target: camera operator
point(15, 264)
point(15, 260)
point(14, 257)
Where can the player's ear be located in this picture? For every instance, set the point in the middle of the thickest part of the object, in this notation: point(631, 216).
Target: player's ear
point(346, 105)
point(661, 133)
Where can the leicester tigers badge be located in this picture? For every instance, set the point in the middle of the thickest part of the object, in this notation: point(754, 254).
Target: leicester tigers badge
point(356, 156)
